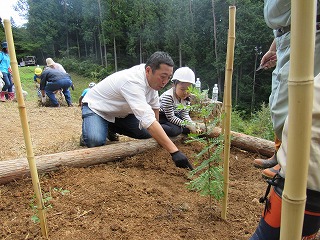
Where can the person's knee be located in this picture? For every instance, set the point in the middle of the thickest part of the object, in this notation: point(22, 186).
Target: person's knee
point(142, 135)
point(173, 133)
point(94, 142)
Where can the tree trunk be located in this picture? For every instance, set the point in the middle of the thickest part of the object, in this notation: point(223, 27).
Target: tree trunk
point(180, 54)
point(103, 38)
point(237, 87)
point(115, 54)
point(140, 49)
point(215, 39)
point(19, 168)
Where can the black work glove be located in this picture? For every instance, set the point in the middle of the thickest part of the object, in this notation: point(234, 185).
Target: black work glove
point(181, 160)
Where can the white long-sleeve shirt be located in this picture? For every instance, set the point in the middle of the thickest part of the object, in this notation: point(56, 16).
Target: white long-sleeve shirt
point(122, 93)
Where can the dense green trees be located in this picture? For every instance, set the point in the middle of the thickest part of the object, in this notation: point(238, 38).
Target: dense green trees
point(120, 33)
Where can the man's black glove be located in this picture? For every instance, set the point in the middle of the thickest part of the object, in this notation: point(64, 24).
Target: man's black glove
point(181, 160)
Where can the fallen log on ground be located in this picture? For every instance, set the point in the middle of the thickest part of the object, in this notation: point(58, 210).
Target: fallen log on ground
point(248, 143)
point(19, 168)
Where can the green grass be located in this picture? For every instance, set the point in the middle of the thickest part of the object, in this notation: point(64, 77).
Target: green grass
point(259, 124)
point(26, 79)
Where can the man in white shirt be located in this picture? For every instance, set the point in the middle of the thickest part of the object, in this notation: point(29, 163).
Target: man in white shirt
point(127, 102)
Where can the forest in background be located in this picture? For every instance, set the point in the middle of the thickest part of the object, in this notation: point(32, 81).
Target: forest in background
point(117, 34)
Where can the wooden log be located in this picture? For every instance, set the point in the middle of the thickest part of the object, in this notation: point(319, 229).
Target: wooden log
point(19, 168)
point(248, 143)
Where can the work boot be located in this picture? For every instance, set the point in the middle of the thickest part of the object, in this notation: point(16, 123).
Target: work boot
point(112, 136)
point(2, 96)
point(269, 173)
point(82, 143)
point(10, 96)
point(266, 163)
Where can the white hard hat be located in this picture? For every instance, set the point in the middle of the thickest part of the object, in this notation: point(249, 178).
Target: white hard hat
point(184, 74)
point(92, 84)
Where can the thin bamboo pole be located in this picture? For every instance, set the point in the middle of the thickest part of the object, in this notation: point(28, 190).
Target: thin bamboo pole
point(301, 75)
point(227, 98)
point(25, 128)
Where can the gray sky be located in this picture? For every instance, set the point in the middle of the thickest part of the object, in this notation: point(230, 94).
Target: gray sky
point(6, 11)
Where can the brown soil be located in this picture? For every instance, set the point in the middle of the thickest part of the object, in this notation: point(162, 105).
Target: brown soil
point(141, 197)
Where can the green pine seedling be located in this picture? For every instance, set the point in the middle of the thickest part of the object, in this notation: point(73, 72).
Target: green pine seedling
point(207, 177)
point(47, 197)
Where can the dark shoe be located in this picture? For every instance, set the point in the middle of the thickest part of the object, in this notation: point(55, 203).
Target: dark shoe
point(266, 163)
point(58, 105)
point(269, 173)
point(82, 143)
point(113, 136)
point(70, 105)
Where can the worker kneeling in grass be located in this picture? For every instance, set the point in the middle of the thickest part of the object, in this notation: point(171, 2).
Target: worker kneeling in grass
point(127, 103)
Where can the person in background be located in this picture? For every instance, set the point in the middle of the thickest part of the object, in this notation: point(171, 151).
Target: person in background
point(269, 225)
point(127, 102)
point(6, 92)
point(53, 80)
point(277, 15)
point(58, 66)
point(84, 92)
point(54, 65)
point(37, 79)
point(175, 121)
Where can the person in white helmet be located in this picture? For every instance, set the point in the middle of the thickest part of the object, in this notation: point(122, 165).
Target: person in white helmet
point(175, 121)
point(84, 92)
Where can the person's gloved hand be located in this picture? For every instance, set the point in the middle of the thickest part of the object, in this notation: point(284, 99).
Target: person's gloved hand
point(181, 160)
point(192, 128)
point(196, 128)
point(201, 128)
point(43, 99)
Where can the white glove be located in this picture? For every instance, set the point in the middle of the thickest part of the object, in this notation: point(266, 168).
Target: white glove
point(201, 128)
point(43, 99)
point(197, 128)
point(192, 128)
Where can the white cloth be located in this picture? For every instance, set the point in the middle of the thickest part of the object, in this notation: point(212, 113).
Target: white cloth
point(313, 182)
point(123, 93)
point(59, 67)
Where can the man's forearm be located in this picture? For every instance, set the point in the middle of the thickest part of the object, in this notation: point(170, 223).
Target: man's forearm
point(161, 137)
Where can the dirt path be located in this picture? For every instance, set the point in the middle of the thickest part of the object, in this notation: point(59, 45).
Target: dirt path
point(142, 197)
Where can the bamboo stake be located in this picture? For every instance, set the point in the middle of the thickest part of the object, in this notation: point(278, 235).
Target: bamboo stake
point(301, 75)
point(25, 128)
point(227, 117)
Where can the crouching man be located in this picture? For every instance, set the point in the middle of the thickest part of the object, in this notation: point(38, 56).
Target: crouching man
point(53, 80)
point(127, 102)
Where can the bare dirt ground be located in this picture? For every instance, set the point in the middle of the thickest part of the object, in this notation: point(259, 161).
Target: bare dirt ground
point(141, 197)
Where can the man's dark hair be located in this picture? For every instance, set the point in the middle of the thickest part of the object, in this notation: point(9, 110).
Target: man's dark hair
point(158, 58)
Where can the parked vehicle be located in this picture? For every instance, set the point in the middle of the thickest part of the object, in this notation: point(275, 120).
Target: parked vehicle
point(28, 61)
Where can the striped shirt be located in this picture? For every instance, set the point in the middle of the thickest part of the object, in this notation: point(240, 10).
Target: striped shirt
point(168, 106)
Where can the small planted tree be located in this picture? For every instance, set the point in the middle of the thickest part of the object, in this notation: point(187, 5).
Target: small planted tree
point(207, 177)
